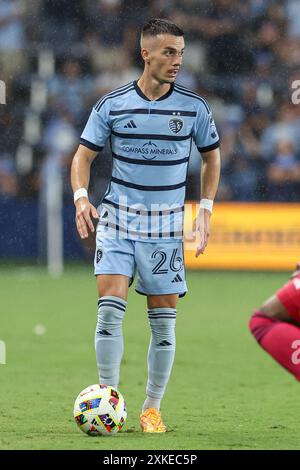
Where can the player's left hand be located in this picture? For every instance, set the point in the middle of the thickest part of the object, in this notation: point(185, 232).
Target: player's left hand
point(201, 230)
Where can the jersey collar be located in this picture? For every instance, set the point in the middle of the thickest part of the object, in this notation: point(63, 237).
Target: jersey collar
point(163, 97)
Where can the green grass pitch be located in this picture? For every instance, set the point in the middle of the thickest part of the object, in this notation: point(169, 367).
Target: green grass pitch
point(224, 393)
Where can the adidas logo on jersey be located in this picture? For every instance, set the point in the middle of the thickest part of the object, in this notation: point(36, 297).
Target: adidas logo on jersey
point(131, 124)
point(177, 278)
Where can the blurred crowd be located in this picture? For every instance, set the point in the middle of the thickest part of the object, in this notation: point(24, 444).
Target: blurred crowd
point(241, 56)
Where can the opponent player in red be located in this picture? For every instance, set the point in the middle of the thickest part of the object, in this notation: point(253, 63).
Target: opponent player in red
point(276, 325)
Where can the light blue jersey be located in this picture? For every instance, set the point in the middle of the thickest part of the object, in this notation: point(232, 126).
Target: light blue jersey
point(151, 144)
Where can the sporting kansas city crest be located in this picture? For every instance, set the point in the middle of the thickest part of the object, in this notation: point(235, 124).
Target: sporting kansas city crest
point(175, 125)
point(99, 255)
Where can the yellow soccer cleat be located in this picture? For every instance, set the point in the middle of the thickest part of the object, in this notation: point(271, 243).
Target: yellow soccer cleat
point(151, 421)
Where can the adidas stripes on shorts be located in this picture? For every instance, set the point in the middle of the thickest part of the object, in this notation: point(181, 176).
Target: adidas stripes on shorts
point(159, 264)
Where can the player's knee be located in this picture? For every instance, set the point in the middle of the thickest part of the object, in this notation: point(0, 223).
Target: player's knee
point(259, 324)
point(162, 301)
point(113, 285)
point(113, 291)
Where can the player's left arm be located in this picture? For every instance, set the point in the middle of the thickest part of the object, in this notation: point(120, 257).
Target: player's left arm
point(207, 140)
point(210, 175)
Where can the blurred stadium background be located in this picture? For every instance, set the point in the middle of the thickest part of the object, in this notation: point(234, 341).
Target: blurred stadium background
point(57, 57)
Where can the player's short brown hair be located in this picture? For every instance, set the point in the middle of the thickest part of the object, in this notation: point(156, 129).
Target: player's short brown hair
point(157, 26)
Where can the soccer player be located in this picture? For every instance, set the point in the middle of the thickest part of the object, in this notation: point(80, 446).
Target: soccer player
point(151, 123)
point(276, 325)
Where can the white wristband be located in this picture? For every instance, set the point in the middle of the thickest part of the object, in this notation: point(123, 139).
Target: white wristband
point(81, 192)
point(207, 204)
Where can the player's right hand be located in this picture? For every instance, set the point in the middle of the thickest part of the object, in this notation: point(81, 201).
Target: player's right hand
point(84, 211)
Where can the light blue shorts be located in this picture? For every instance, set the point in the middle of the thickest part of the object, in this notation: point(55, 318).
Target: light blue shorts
point(160, 265)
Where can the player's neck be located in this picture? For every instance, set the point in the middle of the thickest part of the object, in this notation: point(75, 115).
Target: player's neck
point(152, 88)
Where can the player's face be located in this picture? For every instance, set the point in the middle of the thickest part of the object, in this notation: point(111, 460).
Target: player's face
point(165, 57)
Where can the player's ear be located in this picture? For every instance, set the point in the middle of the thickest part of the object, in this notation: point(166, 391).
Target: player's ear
point(145, 55)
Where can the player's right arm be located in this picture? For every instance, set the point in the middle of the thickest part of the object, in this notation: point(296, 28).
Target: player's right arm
point(80, 177)
point(93, 139)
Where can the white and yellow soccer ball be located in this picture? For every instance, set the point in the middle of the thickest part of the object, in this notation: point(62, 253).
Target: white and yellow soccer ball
point(100, 410)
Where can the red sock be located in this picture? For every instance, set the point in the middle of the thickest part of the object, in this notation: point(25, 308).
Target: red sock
point(280, 339)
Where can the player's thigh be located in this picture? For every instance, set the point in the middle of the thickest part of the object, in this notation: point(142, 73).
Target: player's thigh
point(162, 301)
point(161, 274)
point(114, 266)
point(113, 284)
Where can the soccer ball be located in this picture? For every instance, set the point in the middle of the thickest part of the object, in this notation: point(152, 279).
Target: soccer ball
point(100, 410)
